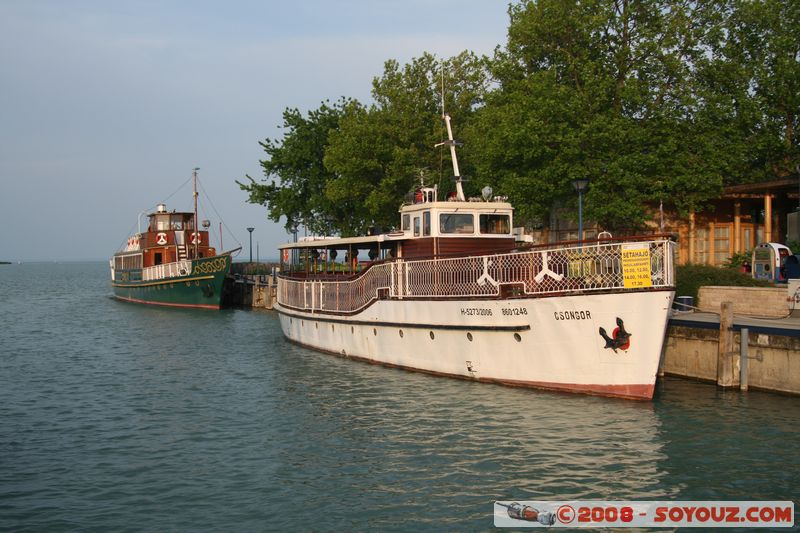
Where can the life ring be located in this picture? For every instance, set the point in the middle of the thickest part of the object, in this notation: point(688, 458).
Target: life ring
point(286, 256)
point(196, 238)
point(161, 238)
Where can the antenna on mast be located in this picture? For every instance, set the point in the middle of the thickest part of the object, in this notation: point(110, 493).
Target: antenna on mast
point(452, 143)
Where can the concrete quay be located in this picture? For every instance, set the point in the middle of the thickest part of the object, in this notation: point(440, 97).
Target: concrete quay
point(734, 350)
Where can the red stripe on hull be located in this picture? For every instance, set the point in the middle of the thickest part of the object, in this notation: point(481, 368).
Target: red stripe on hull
point(627, 392)
point(166, 304)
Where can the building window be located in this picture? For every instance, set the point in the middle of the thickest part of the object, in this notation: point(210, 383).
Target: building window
point(747, 238)
point(721, 244)
point(701, 246)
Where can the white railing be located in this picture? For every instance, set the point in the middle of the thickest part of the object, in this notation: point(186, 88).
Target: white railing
point(630, 265)
point(167, 270)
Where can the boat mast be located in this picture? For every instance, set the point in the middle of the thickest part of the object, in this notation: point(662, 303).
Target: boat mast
point(196, 235)
point(452, 143)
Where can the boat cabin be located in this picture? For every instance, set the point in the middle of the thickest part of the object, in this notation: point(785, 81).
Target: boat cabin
point(170, 237)
point(429, 228)
point(433, 228)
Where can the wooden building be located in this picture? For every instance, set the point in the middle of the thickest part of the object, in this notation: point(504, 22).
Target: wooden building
point(744, 216)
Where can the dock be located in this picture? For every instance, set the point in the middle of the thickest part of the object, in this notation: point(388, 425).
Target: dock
point(734, 351)
point(250, 285)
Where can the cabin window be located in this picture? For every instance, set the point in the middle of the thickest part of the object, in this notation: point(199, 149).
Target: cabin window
point(128, 262)
point(416, 226)
point(495, 224)
point(162, 222)
point(426, 223)
point(176, 223)
point(406, 225)
point(463, 223)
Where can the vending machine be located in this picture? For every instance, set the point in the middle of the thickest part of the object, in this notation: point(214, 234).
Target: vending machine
point(768, 261)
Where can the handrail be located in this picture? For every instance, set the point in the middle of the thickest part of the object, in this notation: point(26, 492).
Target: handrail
point(167, 270)
point(620, 265)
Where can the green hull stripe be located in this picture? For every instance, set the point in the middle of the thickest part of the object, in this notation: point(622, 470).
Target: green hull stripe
point(149, 284)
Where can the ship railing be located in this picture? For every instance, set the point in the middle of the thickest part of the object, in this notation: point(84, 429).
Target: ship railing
point(167, 270)
point(619, 266)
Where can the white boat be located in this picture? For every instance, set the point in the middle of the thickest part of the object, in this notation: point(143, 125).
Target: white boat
point(452, 294)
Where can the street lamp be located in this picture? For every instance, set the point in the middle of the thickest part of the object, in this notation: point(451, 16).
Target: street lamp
point(251, 243)
point(580, 185)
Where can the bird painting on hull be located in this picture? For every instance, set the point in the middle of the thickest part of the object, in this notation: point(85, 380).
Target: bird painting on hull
point(620, 339)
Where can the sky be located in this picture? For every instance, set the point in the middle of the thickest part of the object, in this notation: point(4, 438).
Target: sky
point(106, 107)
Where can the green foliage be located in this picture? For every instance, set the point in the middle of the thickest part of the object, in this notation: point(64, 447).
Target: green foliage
point(737, 260)
point(345, 167)
point(296, 161)
point(689, 279)
point(757, 67)
point(599, 90)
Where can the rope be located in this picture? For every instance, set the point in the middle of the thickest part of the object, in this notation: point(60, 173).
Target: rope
point(224, 225)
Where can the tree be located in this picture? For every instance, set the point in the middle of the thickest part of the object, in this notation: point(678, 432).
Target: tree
point(296, 177)
point(379, 153)
point(752, 78)
point(346, 167)
point(598, 90)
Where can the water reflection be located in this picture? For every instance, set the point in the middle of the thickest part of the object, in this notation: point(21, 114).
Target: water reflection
point(727, 445)
point(400, 438)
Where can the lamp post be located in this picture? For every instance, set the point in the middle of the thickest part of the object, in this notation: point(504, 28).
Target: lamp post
point(251, 243)
point(580, 185)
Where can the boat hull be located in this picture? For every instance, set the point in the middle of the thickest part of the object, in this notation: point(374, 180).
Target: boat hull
point(200, 287)
point(543, 342)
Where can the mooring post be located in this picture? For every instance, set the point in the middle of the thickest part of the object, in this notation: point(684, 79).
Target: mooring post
point(724, 355)
point(744, 339)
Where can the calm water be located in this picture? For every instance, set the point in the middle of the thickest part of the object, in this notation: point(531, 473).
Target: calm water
point(115, 416)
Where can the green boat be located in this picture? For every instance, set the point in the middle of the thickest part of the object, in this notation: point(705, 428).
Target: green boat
point(171, 264)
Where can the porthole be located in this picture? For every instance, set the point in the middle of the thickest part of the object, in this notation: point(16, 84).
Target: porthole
point(401, 333)
point(375, 332)
point(517, 337)
point(469, 337)
point(432, 335)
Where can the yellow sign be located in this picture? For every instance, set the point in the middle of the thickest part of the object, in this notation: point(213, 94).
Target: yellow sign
point(636, 266)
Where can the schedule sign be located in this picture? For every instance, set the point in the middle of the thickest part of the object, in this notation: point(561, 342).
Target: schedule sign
point(636, 266)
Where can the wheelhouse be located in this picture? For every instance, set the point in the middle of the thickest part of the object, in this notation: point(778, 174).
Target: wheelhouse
point(429, 228)
point(170, 237)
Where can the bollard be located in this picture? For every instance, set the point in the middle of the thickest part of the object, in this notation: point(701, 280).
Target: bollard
point(744, 338)
point(724, 355)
